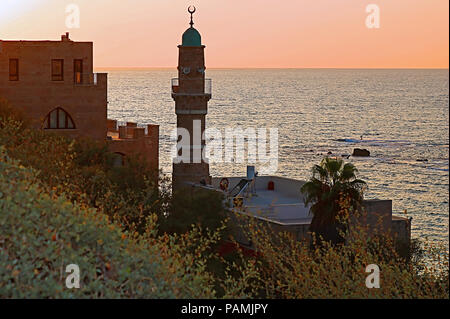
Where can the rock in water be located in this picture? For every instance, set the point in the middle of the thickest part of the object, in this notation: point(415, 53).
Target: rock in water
point(361, 152)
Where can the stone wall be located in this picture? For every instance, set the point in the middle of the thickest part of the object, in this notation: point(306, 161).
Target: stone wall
point(401, 228)
point(132, 141)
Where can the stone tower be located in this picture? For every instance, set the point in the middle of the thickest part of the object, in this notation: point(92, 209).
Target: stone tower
point(191, 92)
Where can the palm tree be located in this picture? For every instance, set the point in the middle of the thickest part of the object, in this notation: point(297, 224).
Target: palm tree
point(331, 183)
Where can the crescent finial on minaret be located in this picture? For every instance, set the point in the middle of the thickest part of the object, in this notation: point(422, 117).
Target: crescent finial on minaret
point(191, 11)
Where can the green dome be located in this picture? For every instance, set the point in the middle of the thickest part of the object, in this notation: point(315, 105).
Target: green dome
point(191, 38)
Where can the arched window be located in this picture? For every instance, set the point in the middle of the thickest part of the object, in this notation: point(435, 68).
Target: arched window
point(58, 119)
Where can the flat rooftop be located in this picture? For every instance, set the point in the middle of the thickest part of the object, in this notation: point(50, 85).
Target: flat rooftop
point(282, 205)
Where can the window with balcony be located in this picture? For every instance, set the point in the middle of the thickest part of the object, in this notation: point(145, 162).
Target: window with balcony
point(78, 71)
point(57, 70)
point(14, 69)
point(58, 119)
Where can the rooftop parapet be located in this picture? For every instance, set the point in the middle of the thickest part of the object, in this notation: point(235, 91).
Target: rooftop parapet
point(138, 132)
point(111, 125)
point(131, 130)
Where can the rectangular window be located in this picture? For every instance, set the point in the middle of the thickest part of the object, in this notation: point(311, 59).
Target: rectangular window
point(14, 69)
point(57, 70)
point(78, 71)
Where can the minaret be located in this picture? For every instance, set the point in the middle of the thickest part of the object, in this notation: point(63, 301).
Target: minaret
point(191, 92)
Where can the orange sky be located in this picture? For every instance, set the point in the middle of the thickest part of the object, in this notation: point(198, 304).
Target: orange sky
point(245, 33)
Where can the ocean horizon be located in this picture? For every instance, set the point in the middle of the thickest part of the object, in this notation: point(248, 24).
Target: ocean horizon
point(139, 68)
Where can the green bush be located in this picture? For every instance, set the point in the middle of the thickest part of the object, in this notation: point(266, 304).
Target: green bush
point(289, 269)
point(194, 206)
point(63, 202)
point(82, 169)
point(41, 233)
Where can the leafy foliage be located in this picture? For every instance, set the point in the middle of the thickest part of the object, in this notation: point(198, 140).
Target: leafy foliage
point(331, 181)
point(290, 269)
point(82, 171)
point(41, 233)
point(62, 201)
point(195, 206)
point(7, 111)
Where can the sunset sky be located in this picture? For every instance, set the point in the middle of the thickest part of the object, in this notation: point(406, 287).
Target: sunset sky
point(244, 33)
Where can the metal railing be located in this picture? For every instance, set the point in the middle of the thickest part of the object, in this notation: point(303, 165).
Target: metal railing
point(85, 79)
point(191, 86)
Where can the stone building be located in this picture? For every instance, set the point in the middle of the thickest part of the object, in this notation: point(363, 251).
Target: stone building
point(54, 85)
point(191, 92)
point(278, 202)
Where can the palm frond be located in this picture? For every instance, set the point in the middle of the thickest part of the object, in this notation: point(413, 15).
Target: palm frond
point(332, 180)
point(348, 172)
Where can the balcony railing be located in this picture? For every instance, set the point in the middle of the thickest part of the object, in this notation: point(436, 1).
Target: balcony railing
point(85, 79)
point(191, 87)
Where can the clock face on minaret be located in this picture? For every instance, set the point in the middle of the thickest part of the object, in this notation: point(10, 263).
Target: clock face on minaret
point(191, 92)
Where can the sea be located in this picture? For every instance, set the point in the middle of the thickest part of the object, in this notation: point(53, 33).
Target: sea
point(400, 115)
